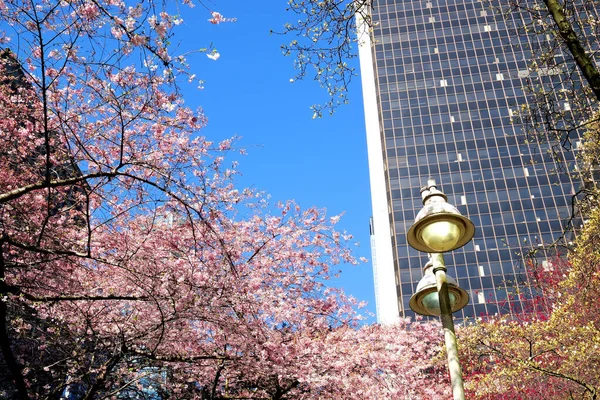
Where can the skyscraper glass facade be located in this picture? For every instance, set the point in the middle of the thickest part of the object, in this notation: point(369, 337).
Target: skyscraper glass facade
point(443, 81)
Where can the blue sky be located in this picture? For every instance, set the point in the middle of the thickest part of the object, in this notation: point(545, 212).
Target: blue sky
point(247, 92)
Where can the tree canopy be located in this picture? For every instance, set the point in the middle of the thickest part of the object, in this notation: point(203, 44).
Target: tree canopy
point(130, 263)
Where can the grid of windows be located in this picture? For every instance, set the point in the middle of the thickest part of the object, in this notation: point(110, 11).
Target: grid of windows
point(449, 80)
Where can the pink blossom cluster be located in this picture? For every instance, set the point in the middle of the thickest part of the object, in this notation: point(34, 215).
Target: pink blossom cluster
point(217, 18)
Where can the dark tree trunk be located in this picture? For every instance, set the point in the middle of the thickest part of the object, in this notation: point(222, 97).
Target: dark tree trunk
point(586, 65)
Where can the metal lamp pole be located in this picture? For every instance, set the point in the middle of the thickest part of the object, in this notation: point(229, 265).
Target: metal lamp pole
point(439, 269)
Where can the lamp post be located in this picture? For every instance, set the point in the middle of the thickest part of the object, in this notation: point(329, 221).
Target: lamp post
point(439, 227)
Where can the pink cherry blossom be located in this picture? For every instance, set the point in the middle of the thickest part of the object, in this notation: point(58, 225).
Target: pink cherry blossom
point(217, 18)
point(128, 255)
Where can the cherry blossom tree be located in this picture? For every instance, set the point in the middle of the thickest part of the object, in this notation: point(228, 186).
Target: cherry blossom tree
point(131, 265)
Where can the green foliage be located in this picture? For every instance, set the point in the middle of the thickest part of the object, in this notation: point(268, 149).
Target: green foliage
point(553, 351)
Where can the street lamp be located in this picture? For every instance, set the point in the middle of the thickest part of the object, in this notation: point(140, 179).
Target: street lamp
point(439, 227)
point(426, 300)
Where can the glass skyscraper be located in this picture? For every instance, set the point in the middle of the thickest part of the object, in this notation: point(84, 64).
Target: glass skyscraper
point(442, 83)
